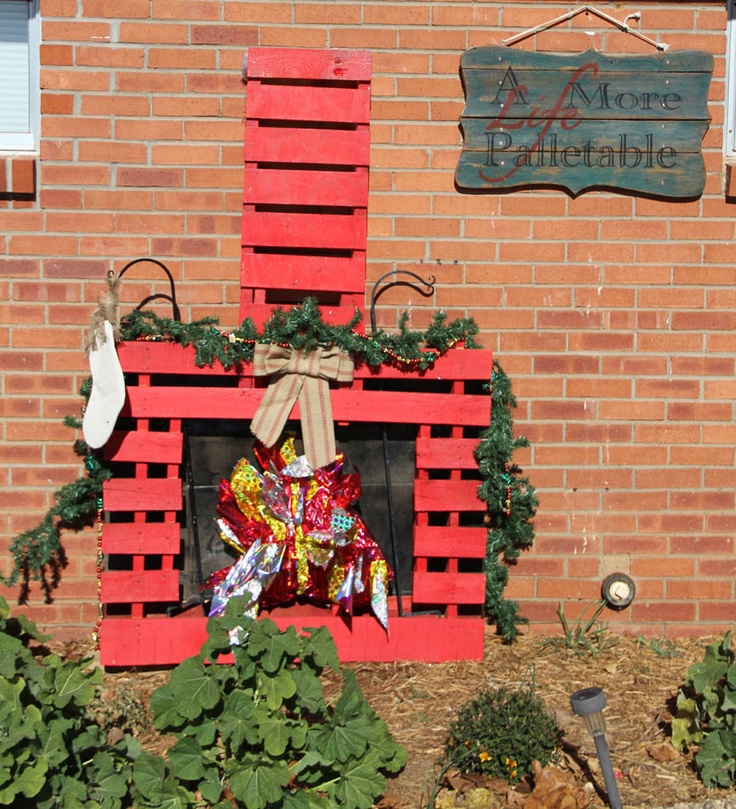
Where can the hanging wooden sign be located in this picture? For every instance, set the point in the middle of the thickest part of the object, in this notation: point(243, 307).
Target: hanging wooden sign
point(584, 121)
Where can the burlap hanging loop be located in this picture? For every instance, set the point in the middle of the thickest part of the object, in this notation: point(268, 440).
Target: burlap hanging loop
point(303, 375)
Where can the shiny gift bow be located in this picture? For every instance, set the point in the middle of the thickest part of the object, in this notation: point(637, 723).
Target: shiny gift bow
point(302, 375)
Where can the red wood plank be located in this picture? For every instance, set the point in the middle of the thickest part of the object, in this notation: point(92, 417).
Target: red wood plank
point(395, 407)
point(142, 494)
point(313, 146)
point(448, 588)
point(450, 541)
point(171, 358)
point(151, 447)
point(283, 102)
point(127, 642)
point(139, 586)
point(304, 231)
point(301, 273)
point(446, 453)
point(445, 495)
point(141, 538)
point(269, 186)
point(309, 63)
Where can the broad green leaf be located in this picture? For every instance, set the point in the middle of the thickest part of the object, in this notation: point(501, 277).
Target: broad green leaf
point(342, 742)
point(4, 608)
point(73, 684)
point(108, 782)
point(276, 688)
point(196, 690)
point(716, 759)
point(187, 759)
point(204, 732)
point(305, 799)
point(165, 707)
point(705, 675)
point(149, 773)
point(320, 649)
point(360, 784)
point(309, 693)
point(281, 648)
point(10, 649)
point(31, 779)
point(275, 734)
point(236, 725)
point(210, 787)
point(257, 783)
point(53, 746)
point(352, 700)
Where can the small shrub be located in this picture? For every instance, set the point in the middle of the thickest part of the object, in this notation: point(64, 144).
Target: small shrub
point(501, 732)
point(706, 715)
point(260, 732)
point(52, 752)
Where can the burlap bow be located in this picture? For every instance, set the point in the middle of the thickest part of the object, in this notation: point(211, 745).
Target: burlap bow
point(303, 375)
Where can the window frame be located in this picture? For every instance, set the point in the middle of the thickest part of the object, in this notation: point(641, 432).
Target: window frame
point(729, 103)
point(29, 141)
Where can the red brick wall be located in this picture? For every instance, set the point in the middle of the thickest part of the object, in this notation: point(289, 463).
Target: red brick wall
point(613, 315)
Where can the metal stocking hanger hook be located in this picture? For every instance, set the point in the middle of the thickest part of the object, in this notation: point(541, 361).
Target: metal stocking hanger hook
point(375, 294)
point(175, 312)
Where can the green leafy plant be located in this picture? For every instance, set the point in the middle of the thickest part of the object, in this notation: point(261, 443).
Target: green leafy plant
point(662, 647)
point(586, 635)
point(501, 732)
point(706, 715)
point(52, 753)
point(260, 732)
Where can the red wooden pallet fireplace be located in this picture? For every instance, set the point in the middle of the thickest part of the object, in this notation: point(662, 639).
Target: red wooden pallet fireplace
point(304, 232)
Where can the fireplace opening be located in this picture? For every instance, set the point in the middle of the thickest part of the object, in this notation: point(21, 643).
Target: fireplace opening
point(380, 453)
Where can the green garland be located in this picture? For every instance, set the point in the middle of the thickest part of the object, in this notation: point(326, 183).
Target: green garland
point(39, 556)
point(511, 500)
point(302, 327)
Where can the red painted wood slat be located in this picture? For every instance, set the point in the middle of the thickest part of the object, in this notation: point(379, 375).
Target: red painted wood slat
point(142, 494)
point(127, 642)
point(171, 358)
point(141, 538)
point(442, 453)
point(304, 231)
point(449, 588)
point(443, 495)
point(281, 102)
point(151, 447)
point(312, 146)
point(139, 586)
point(309, 63)
point(265, 186)
point(314, 273)
point(394, 407)
point(450, 541)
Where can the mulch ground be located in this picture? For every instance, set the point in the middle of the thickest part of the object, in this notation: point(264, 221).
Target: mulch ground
point(418, 701)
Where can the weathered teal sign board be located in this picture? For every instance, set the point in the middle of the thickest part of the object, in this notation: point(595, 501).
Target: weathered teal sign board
point(583, 121)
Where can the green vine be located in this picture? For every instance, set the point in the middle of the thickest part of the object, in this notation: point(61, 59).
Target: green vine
point(39, 556)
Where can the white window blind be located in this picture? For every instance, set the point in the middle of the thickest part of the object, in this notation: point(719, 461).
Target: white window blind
point(18, 74)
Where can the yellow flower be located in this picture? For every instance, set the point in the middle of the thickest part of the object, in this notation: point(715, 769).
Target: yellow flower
point(484, 755)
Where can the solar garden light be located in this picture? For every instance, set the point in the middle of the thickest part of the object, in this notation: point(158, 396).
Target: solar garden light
point(589, 704)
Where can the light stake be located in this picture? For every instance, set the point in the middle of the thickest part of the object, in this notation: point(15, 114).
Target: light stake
point(589, 704)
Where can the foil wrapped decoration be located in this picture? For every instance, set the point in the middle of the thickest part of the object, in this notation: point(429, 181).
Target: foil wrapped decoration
point(297, 535)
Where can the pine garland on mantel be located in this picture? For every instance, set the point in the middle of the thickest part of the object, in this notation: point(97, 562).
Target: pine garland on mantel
point(38, 554)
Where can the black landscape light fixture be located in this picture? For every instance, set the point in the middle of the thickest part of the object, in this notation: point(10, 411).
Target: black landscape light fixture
point(589, 704)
